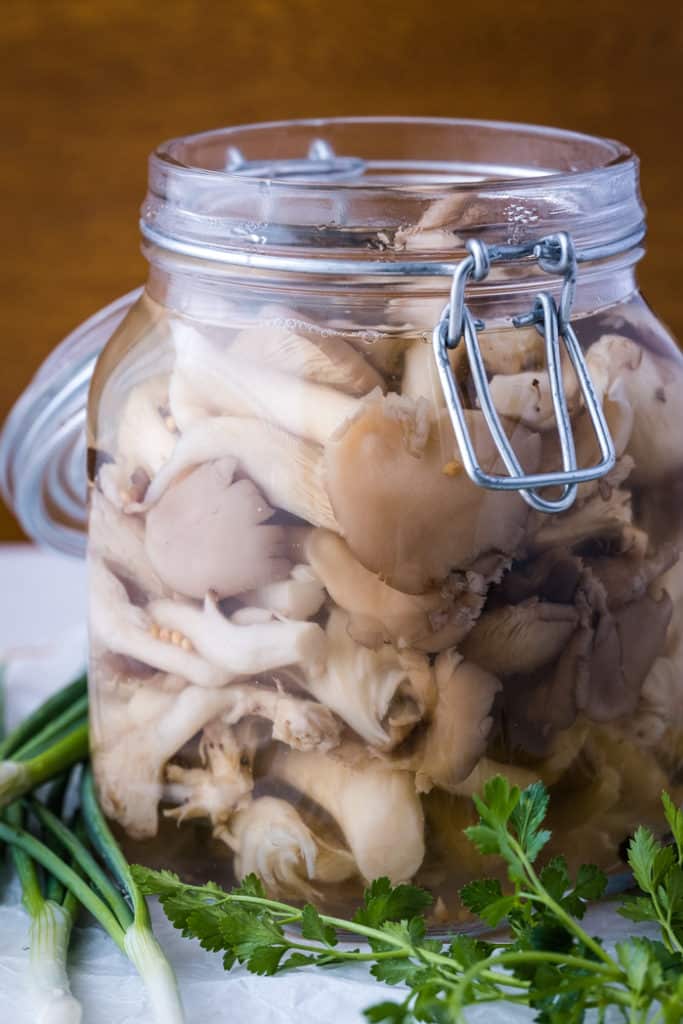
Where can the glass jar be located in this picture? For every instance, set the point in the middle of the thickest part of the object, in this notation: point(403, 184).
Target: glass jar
point(318, 621)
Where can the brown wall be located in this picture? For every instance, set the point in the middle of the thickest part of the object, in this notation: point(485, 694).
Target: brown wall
point(87, 88)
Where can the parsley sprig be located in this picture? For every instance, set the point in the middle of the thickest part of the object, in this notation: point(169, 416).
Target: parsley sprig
point(548, 962)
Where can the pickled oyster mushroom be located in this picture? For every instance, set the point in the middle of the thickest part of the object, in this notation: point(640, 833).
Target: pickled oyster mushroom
point(313, 355)
point(271, 839)
point(599, 674)
point(222, 384)
point(119, 541)
point(653, 385)
point(378, 612)
point(299, 597)
point(377, 809)
point(241, 649)
point(378, 693)
point(406, 506)
point(144, 441)
point(446, 749)
point(215, 790)
point(130, 772)
point(520, 638)
point(117, 625)
point(287, 469)
point(225, 781)
point(298, 722)
point(209, 531)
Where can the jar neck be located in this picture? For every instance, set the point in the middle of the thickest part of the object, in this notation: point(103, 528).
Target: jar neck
point(228, 294)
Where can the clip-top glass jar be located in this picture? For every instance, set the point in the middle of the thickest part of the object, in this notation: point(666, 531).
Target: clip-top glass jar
point(356, 546)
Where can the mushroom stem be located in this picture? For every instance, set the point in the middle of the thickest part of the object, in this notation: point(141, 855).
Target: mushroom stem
point(300, 723)
point(144, 440)
point(130, 772)
point(313, 356)
point(240, 650)
point(229, 385)
point(449, 746)
point(299, 597)
point(119, 540)
point(124, 628)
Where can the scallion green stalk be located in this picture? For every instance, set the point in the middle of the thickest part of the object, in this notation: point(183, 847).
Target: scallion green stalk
point(20, 777)
point(44, 738)
point(43, 715)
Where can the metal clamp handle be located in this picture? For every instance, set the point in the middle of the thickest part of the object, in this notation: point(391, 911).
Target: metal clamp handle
point(555, 255)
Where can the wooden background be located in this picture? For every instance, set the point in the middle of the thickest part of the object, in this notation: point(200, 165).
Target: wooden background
point(87, 87)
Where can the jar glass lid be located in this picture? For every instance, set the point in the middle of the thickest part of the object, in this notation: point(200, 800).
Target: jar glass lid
point(42, 444)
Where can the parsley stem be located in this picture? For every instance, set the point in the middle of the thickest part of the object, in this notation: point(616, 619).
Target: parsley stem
point(542, 896)
point(563, 959)
point(342, 954)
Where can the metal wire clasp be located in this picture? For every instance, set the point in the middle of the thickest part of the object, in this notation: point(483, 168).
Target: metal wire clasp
point(555, 255)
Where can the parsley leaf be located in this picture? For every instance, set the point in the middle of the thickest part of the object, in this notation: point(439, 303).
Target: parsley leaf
point(384, 902)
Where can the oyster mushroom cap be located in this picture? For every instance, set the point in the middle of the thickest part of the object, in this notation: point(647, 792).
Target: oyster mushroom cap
point(521, 637)
point(407, 508)
point(378, 693)
point(376, 808)
point(526, 397)
point(653, 385)
point(449, 746)
point(287, 469)
point(511, 350)
point(271, 839)
point(625, 646)
point(626, 577)
point(208, 532)
point(608, 512)
point(378, 612)
point(313, 356)
point(599, 674)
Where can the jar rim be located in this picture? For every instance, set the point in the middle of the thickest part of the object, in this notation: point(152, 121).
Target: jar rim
point(265, 190)
point(180, 153)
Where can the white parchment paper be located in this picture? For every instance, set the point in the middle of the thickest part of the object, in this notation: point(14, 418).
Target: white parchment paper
point(43, 642)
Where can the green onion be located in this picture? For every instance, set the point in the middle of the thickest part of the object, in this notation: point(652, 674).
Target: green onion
point(140, 943)
point(43, 747)
point(20, 777)
point(49, 934)
point(42, 739)
point(43, 715)
point(43, 855)
point(85, 861)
